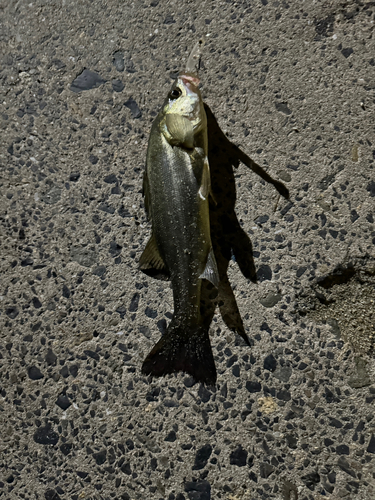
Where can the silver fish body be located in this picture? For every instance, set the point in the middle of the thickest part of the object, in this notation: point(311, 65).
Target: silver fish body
point(176, 189)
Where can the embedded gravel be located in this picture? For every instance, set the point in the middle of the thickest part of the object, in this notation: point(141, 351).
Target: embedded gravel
point(292, 416)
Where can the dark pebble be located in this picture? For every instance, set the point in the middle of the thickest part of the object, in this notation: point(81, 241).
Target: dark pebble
point(253, 386)
point(99, 271)
point(118, 61)
point(238, 457)
point(344, 465)
point(264, 273)
point(50, 358)
point(134, 109)
point(270, 363)
point(283, 108)
point(283, 395)
point(265, 470)
point(198, 490)
point(134, 303)
point(202, 456)
point(111, 179)
point(150, 313)
point(114, 249)
point(51, 495)
point(171, 437)
point(63, 402)
point(117, 85)
point(371, 188)
point(262, 219)
point(346, 52)
point(371, 445)
point(45, 435)
point(66, 448)
point(92, 354)
point(100, 457)
point(74, 176)
point(87, 80)
point(34, 373)
point(12, 312)
point(311, 480)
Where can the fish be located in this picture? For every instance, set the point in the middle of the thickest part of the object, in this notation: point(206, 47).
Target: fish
point(177, 192)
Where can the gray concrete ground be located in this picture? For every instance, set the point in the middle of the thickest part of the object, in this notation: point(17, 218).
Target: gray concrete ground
point(292, 82)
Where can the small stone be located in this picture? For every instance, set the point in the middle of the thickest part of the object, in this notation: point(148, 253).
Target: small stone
point(253, 386)
point(264, 273)
point(346, 52)
point(198, 490)
point(342, 449)
point(262, 219)
point(52, 196)
point(118, 61)
point(150, 313)
point(311, 480)
point(371, 445)
point(344, 465)
point(99, 271)
point(271, 299)
point(12, 312)
point(87, 80)
point(84, 256)
point(110, 179)
point(50, 358)
point(34, 373)
point(171, 437)
point(51, 495)
point(114, 249)
point(371, 188)
point(283, 373)
point(270, 363)
point(238, 457)
point(74, 176)
point(301, 271)
point(117, 85)
point(265, 470)
point(100, 457)
point(45, 435)
point(63, 402)
point(202, 456)
point(134, 303)
point(283, 108)
point(284, 395)
point(133, 106)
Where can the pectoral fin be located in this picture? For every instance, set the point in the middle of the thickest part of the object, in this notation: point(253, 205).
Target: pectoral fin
point(152, 263)
point(179, 131)
point(205, 188)
point(211, 272)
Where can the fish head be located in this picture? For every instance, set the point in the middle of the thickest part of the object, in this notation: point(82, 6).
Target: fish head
point(185, 99)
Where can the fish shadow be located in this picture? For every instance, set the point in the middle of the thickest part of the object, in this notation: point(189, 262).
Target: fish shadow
point(229, 240)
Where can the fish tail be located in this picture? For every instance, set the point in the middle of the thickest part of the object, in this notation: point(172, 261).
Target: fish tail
point(183, 349)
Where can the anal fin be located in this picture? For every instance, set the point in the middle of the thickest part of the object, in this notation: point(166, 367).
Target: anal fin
point(211, 272)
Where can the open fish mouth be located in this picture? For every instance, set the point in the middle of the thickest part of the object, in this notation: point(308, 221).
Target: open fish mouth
point(190, 80)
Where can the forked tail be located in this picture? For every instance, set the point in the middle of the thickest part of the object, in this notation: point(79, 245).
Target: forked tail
point(182, 349)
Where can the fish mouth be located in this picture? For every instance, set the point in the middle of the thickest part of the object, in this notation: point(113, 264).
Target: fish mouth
point(190, 81)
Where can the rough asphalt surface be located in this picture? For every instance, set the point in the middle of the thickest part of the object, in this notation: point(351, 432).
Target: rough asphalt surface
point(292, 417)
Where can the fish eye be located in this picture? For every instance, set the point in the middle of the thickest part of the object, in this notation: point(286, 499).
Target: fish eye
point(175, 93)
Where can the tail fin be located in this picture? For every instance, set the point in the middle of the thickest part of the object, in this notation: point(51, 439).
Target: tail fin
point(182, 350)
